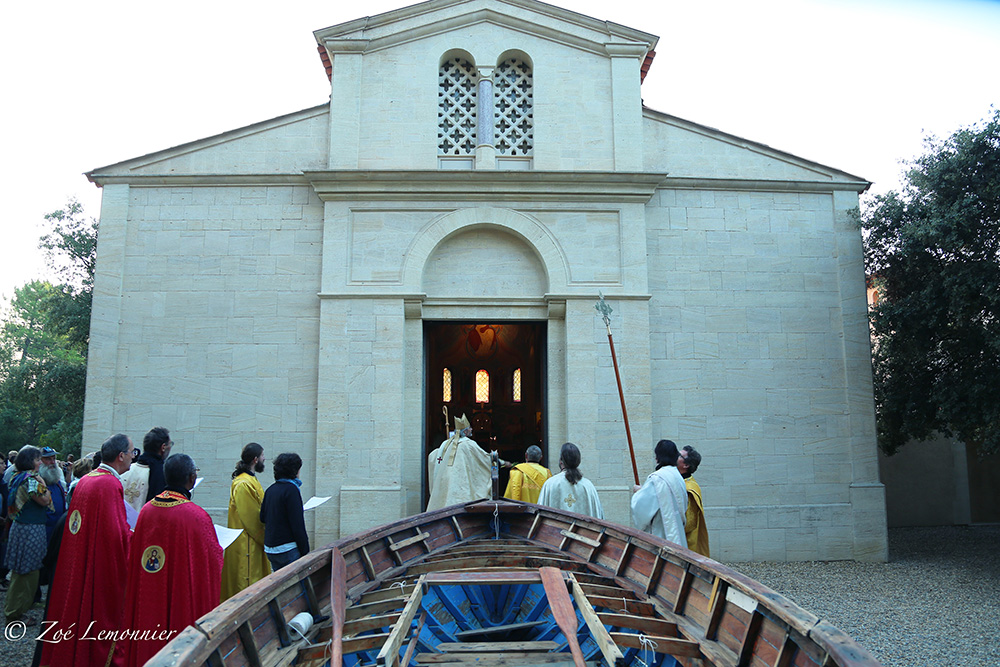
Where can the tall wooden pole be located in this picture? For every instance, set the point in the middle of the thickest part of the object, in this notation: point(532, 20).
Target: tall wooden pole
point(605, 310)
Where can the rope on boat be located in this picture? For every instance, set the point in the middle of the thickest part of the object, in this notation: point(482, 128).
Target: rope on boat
point(648, 645)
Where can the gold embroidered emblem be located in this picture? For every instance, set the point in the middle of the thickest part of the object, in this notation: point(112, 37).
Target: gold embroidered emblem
point(153, 559)
point(75, 519)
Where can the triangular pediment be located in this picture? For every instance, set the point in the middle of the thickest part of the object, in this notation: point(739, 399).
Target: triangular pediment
point(439, 16)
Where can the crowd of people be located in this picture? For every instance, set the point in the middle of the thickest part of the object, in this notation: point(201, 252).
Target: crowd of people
point(121, 586)
point(67, 525)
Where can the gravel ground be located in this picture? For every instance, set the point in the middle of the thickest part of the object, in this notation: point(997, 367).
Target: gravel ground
point(936, 603)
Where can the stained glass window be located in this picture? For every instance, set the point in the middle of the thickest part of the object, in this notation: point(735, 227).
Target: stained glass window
point(446, 393)
point(517, 385)
point(482, 386)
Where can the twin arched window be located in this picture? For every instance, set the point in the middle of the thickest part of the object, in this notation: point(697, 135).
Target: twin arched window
point(463, 114)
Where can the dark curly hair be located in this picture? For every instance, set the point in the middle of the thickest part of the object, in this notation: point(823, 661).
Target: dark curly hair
point(287, 465)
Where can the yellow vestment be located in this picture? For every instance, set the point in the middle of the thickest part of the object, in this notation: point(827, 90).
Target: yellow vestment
point(694, 524)
point(526, 481)
point(245, 561)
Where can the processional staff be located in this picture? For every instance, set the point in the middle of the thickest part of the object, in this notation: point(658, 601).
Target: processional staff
point(605, 310)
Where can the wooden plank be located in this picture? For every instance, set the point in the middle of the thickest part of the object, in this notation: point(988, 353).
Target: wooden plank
point(485, 578)
point(645, 625)
point(497, 629)
point(580, 538)
point(414, 640)
point(750, 638)
point(608, 591)
point(654, 574)
point(312, 653)
point(364, 643)
point(678, 648)
point(380, 607)
point(612, 656)
point(566, 533)
point(249, 644)
point(386, 593)
point(624, 557)
point(717, 610)
point(509, 659)
point(562, 610)
point(534, 525)
point(389, 654)
point(369, 623)
point(402, 544)
point(499, 561)
point(682, 592)
point(623, 605)
point(280, 623)
point(458, 529)
point(786, 653)
point(366, 562)
point(392, 552)
point(496, 647)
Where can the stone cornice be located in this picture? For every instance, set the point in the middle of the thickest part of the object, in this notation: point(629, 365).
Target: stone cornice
point(617, 187)
point(761, 185)
point(580, 31)
point(580, 186)
point(196, 180)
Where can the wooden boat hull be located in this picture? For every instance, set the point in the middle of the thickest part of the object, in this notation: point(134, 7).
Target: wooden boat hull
point(470, 584)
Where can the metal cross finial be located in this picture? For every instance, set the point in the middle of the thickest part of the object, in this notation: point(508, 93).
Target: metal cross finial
point(604, 309)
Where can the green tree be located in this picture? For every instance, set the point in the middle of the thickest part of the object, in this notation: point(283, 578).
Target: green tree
point(44, 339)
point(934, 253)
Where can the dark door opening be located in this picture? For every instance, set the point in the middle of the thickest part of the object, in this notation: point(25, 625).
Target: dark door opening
point(495, 375)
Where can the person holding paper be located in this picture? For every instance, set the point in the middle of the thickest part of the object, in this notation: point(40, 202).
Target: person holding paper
point(174, 566)
point(285, 538)
point(92, 559)
point(245, 561)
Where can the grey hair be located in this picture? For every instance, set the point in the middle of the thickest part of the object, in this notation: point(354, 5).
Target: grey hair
point(533, 454)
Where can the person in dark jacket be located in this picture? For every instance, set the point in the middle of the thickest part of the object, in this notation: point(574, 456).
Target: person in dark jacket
point(285, 538)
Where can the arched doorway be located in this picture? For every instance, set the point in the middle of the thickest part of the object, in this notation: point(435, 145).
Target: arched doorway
point(494, 373)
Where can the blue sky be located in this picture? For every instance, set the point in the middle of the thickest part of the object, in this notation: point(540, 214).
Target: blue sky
point(848, 83)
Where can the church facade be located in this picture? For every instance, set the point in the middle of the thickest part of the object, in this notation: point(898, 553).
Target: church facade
point(436, 237)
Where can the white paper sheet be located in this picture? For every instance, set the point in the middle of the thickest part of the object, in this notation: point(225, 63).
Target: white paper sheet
point(226, 535)
point(314, 502)
point(131, 515)
point(196, 483)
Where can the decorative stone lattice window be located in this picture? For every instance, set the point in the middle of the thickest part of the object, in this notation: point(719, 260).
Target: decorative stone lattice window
point(482, 386)
point(513, 112)
point(457, 108)
point(516, 391)
point(446, 392)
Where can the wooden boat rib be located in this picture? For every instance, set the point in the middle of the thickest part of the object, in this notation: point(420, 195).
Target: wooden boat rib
point(490, 583)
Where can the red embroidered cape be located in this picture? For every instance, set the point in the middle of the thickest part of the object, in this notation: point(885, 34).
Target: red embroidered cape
point(86, 596)
point(174, 575)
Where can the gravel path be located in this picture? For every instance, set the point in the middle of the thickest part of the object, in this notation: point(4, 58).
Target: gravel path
point(936, 603)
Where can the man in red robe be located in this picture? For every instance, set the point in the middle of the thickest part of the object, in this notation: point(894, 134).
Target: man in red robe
point(85, 606)
point(174, 567)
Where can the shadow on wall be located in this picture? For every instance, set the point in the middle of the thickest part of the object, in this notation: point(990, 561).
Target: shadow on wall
point(940, 482)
